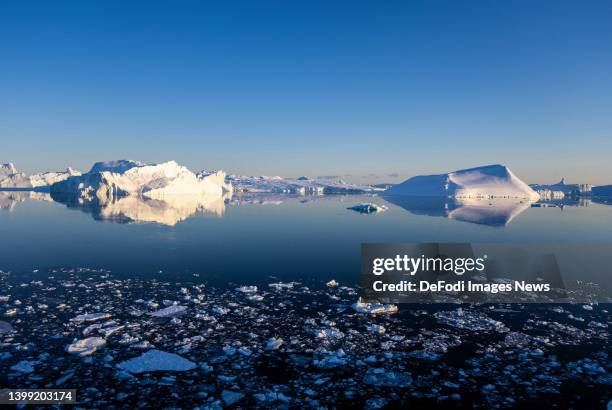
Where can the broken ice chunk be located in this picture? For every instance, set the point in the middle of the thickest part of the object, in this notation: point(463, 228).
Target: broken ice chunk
point(273, 344)
point(374, 308)
point(156, 360)
point(90, 317)
point(169, 311)
point(85, 347)
point(24, 366)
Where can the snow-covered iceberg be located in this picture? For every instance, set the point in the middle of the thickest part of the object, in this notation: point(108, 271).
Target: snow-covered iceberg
point(10, 177)
point(122, 178)
point(486, 182)
point(302, 185)
point(46, 179)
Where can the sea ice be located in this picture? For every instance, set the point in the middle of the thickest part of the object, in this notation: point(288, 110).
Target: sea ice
point(90, 317)
point(24, 366)
point(85, 347)
point(374, 308)
point(169, 311)
point(156, 360)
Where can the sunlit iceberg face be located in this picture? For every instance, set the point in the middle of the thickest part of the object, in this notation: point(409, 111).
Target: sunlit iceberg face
point(169, 210)
point(493, 212)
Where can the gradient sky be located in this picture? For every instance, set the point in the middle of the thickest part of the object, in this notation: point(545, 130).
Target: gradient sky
point(367, 89)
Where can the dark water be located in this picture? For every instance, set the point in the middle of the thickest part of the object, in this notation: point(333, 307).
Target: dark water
point(259, 236)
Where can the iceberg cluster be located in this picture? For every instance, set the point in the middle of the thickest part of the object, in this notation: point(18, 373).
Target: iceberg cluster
point(302, 185)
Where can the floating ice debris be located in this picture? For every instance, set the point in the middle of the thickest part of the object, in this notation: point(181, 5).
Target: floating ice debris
point(386, 378)
point(85, 347)
point(24, 366)
point(368, 208)
point(218, 310)
point(374, 308)
point(169, 311)
point(156, 360)
point(329, 333)
point(281, 285)
point(330, 360)
point(377, 329)
point(90, 317)
point(10, 312)
point(273, 344)
point(247, 289)
point(231, 397)
point(332, 283)
point(5, 327)
point(473, 321)
point(255, 298)
point(110, 330)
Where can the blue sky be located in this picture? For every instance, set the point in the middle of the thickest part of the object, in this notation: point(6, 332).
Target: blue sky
point(366, 89)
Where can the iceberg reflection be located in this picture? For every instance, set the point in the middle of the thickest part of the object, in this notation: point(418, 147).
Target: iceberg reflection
point(169, 210)
point(10, 198)
point(493, 212)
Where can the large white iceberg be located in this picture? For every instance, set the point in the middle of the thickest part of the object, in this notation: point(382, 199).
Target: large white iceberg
point(121, 178)
point(491, 181)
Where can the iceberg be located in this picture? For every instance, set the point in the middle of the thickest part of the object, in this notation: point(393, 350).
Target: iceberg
point(368, 208)
point(112, 179)
point(11, 178)
point(486, 182)
point(46, 179)
point(302, 185)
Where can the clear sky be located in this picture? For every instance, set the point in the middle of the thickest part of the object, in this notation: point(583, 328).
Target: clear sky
point(377, 90)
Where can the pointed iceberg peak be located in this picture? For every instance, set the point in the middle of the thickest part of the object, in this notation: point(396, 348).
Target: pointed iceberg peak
point(8, 168)
point(117, 166)
point(485, 182)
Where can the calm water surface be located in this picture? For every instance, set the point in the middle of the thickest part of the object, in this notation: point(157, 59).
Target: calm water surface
point(257, 237)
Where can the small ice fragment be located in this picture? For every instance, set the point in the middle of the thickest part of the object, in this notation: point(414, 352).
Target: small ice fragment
point(247, 289)
point(368, 208)
point(169, 311)
point(24, 366)
point(5, 327)
point(377, 329)
point(90, 317)
point(273, 344)
point(332, 283)
point(231, 397)
point(85, 347)
point(374, 308)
